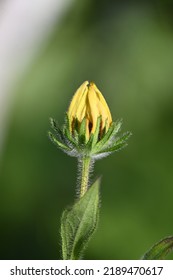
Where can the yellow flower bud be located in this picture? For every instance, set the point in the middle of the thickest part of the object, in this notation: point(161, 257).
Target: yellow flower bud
point(88, 102)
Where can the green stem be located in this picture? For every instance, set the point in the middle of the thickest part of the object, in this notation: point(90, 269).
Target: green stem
point(85, 171)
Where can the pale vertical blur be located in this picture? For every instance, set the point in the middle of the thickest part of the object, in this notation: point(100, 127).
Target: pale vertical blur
point(24, 26)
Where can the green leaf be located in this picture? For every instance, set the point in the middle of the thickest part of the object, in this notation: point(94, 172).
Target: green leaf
point(79, 223)
point(160, 250)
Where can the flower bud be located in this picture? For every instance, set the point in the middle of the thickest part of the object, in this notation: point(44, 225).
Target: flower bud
point(89, 103)
point(88, 130)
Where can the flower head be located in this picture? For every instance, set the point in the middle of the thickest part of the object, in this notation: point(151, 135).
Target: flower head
point(88, 130)
point(88, 102)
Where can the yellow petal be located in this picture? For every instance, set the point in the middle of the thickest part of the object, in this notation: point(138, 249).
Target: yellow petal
point(89, 102)
point(77, 99)
point(93, 108)
point(103, 101)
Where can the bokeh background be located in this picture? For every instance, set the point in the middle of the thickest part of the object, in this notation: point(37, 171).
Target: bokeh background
point(48, 48)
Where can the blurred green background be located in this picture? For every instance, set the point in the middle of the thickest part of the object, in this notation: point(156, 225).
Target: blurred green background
point(126, 48)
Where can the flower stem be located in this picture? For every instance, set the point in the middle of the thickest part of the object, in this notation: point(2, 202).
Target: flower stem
point(85, 171)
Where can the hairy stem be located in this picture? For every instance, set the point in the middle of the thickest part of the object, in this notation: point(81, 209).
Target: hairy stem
point(85, 166)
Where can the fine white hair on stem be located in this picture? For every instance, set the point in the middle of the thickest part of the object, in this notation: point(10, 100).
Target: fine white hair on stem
point(79, 174)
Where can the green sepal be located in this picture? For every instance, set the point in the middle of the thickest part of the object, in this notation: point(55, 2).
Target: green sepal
point(58, 143)
point(89, 143)
point(100, 144)
point(67, 122)
point(75, 134)
point(56, 128)
point(63, 137)
point(82, 132)
point(117, 126)
point(68, 138)
point(124, 137)
point(160, 250)
point(105, 138)
point(79, 222)
point(121, 142)
point(118, 145)
point(66, 130)
point(104, 131)
point(96, 133)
